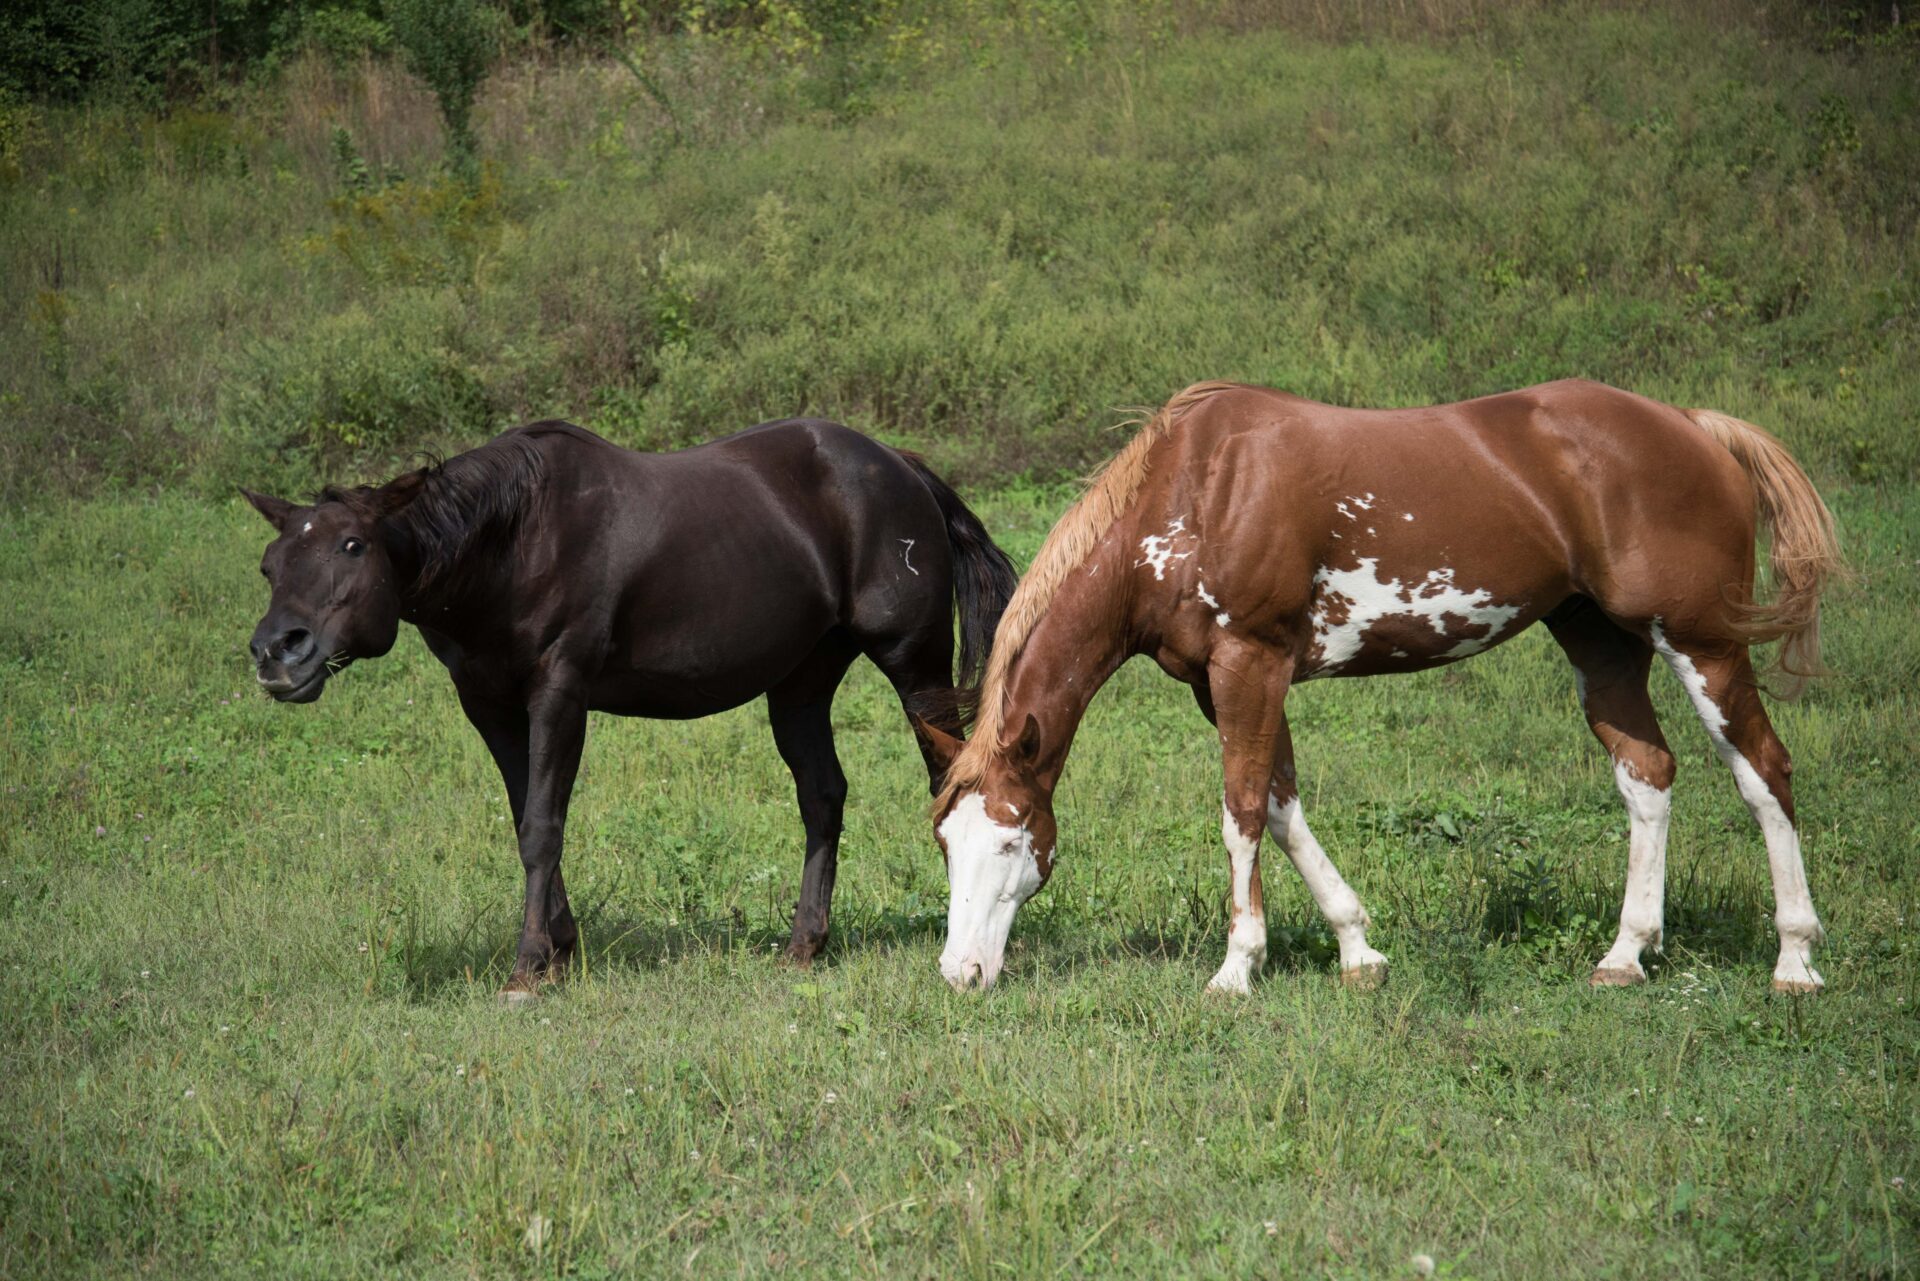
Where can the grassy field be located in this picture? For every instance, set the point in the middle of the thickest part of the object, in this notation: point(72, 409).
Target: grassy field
point(249, 1021)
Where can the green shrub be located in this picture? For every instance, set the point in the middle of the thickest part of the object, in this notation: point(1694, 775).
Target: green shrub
point(449, 44)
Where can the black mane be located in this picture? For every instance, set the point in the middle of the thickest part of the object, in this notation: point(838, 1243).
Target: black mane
point(449, 509)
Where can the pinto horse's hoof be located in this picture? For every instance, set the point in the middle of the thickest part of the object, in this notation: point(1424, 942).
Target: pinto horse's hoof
point(1616, 976)
point(1798, 987)
point(1364, 978)
point(514, 997)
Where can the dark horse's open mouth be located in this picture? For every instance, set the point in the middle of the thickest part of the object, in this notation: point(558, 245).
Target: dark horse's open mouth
point(309, 688)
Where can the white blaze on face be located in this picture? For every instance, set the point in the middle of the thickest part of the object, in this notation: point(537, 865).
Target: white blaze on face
point(1370, 598)
point(991, 871)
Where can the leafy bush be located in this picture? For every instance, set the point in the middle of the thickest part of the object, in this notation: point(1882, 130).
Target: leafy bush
point(449, 45)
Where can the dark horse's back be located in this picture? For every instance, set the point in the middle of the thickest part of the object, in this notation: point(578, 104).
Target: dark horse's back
point(691, 579)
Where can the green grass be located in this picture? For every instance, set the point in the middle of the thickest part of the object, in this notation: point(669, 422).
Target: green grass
point(250, 1020)
point(249, 1024)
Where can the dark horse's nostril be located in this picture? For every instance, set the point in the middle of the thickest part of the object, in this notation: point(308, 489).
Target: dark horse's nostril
point(294, 645)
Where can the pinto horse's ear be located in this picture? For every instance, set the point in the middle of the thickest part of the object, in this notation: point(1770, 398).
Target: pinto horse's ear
point(940, 745)
point(276, 510)
point(1027, 746)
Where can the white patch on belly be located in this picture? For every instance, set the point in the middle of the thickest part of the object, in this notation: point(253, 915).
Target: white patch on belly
point(907, 555)
point(1369, 598)
point(1157, 549)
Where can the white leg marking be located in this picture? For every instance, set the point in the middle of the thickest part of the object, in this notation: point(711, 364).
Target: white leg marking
point(1247, 935)
point(1793, 914)
point(1641, 917)
point(1336, 899)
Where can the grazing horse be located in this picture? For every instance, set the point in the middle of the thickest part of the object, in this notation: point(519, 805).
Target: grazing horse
point(555, 573)
point(1248, 539)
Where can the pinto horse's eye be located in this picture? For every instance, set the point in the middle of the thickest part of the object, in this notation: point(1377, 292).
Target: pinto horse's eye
point(353, 547)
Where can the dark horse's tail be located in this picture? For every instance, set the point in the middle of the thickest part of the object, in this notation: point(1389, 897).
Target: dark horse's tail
point(983, 580)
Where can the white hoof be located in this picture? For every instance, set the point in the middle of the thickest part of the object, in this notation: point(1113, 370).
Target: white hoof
point(1803, 980)
point(1616, 975)
point(1363, 969)
point(518, 996)
point(1232, 980)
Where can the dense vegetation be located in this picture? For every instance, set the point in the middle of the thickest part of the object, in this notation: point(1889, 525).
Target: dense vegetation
point(249, 1024)
point(980, 245)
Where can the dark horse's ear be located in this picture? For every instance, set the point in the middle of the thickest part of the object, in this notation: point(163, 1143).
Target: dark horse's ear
point(1027, 746)
point(276, 510)
point(942, 746)
point(398, 492)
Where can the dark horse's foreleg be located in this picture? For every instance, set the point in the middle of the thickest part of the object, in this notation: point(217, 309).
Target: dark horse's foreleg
point(800, 709)
point(505, 729)
point(538, 751)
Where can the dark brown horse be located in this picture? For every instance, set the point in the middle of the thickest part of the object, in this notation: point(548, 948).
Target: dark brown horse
point(554, 574)
point(1248, 540)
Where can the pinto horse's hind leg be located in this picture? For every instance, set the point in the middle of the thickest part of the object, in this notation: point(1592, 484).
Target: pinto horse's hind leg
point(1610, 666)
point(800, 709)
point(1721, 683)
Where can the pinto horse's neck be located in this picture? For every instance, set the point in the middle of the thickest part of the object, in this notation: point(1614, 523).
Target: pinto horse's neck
point(1073, 650)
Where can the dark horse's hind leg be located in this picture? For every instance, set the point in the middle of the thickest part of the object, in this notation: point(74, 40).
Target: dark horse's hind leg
point(921, 671)
point(800, 709)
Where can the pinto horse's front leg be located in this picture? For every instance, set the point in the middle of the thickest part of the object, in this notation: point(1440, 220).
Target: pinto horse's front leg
point(557, 721)
point(1247, 687)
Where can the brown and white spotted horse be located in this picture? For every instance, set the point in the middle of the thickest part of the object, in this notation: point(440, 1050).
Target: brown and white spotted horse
point(1247, 539)
point(554, 573)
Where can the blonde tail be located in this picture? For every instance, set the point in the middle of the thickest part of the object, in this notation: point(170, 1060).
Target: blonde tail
point(1806, 552)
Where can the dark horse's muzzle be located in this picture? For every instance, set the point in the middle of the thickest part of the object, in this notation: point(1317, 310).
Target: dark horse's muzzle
point(288, 662)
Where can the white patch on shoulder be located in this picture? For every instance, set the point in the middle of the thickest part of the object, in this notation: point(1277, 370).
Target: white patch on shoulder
point(1364, 504)
point(307, 528)
point(1157, 549)
point(1344, 511)
point(1369, 598)
point(1406, 515)
point(1221, 617)
point(907, 555)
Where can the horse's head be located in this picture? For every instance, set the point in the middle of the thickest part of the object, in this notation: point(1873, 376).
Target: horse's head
point(336, 595)
point(997, 834)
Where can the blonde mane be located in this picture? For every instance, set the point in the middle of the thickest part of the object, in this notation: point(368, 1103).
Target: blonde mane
point(1109, 493)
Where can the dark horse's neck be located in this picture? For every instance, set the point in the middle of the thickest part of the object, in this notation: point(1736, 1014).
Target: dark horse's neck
point(451, 532)
point(1079, 643)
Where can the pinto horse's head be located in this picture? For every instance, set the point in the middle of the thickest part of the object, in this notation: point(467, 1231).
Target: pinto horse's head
point(997, 834)
point(336, 596)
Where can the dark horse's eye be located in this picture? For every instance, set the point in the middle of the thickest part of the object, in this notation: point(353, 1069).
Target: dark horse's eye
point(353, 547)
